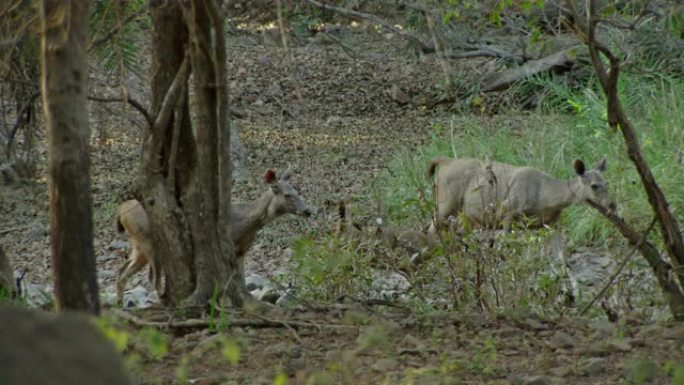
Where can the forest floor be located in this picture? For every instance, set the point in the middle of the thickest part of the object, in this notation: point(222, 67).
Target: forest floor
point(338, 125)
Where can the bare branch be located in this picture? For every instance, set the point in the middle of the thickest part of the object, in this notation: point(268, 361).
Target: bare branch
point(134, 103)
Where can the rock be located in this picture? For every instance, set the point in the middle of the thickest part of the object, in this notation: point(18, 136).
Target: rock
point(286, 300)
point(139, 297)
point(107, 257)
point(384, 365)
point(104, 274)
point(399, 96)
point(562, 340)
point(592, 366)
point(255, 281)
point(269, 294)
point(118, 244)
point(38, 295)
point(67, 349)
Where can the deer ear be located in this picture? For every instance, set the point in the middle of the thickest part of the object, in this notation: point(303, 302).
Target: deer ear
point(578, 165)
point(601, 165)
point(269, 176)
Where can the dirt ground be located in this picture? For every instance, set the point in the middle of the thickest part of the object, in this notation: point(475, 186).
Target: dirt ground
point(331, 111)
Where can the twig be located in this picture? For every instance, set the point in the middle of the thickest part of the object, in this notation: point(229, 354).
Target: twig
point(618, 271)
point(134, 103)
point(425, 48)
point(237, 322)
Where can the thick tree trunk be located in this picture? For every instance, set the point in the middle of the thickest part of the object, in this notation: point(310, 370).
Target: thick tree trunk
point(215, 261)
point(187, 183)
point(169, 153)
point(64, 84)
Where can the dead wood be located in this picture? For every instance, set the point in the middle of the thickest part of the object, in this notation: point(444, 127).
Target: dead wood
point(559, 60)
point(424, 47)
point(256, 322)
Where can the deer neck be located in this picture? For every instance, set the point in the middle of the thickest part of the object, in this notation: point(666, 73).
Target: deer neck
point(253, 216)
point(573, 188)
point(557, 194)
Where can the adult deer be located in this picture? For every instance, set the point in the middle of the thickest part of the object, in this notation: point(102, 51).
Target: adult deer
point(247, 218)
point(494, 195)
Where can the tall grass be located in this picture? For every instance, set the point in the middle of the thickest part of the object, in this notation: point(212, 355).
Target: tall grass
point(551, 141)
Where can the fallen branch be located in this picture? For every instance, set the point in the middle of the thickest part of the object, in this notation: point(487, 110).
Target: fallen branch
point(261, 322)
point(500, 80)
point(425, 48)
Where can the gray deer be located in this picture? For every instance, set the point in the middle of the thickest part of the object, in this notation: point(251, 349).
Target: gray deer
point(247, 218)
point(494, 195)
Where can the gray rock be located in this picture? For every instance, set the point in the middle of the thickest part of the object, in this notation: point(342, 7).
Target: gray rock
point(104, 274)
point(286, 300)
point(107, 257)
point(38, 295)
point(118, 244)
point(139, 297)
point(269, 294)
point(255, 281)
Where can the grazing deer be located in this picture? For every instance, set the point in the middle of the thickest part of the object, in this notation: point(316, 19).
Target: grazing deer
point(245, 221)
point(493, 195)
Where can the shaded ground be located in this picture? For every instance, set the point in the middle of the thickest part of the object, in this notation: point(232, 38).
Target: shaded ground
point(339, 136)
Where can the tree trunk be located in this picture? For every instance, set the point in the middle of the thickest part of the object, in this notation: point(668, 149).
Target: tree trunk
point(169, 154)
point(64, 85)
point(215, 260)
point(187, 173)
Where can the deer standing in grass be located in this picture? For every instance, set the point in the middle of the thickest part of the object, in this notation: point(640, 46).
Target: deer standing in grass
point(247, 218)
point(494, 195)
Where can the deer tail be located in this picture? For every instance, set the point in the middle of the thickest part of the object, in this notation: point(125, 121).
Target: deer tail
point(432, 166)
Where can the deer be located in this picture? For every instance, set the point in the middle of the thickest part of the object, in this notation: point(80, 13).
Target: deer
point(495, 195)
point(247, 218)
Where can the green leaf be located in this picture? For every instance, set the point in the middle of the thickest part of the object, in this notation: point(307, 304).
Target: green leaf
point(231, 352)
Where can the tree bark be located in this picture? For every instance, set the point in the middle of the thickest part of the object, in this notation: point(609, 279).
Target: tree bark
point(64, 87)
point(187, 182)
point(165, 181)
point(216, 264)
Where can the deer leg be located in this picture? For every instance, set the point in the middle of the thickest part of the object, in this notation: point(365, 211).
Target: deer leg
point(135, 263)
point(155, 268)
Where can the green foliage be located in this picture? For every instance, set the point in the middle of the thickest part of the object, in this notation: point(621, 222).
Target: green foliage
point(330, 268)
point(120, 50)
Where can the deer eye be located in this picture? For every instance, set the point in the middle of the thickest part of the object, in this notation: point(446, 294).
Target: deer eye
point(287, 196)
point(594, 187)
